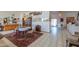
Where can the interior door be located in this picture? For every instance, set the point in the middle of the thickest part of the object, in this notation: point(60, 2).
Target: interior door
point(54, 22)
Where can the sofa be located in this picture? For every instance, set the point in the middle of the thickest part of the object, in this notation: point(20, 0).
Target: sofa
point(72, 28)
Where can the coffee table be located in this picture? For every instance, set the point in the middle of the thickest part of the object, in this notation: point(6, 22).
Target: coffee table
point(73, 42)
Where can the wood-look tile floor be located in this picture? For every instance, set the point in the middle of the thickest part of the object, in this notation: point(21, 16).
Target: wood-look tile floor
point(57, 38)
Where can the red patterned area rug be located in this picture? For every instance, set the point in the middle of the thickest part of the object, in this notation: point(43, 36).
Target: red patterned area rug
point(23, 41)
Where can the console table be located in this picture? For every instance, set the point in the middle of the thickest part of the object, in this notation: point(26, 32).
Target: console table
point(10, 27)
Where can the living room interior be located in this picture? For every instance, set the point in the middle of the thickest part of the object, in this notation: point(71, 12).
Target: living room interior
point(39, 28)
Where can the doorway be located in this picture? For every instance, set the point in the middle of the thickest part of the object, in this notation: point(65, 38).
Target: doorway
point(53, 22)
point(54, 26)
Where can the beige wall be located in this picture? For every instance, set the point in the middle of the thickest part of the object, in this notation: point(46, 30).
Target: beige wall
point(56, 15)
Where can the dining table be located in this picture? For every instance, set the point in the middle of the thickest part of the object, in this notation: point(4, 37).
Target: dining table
point(22, 31)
